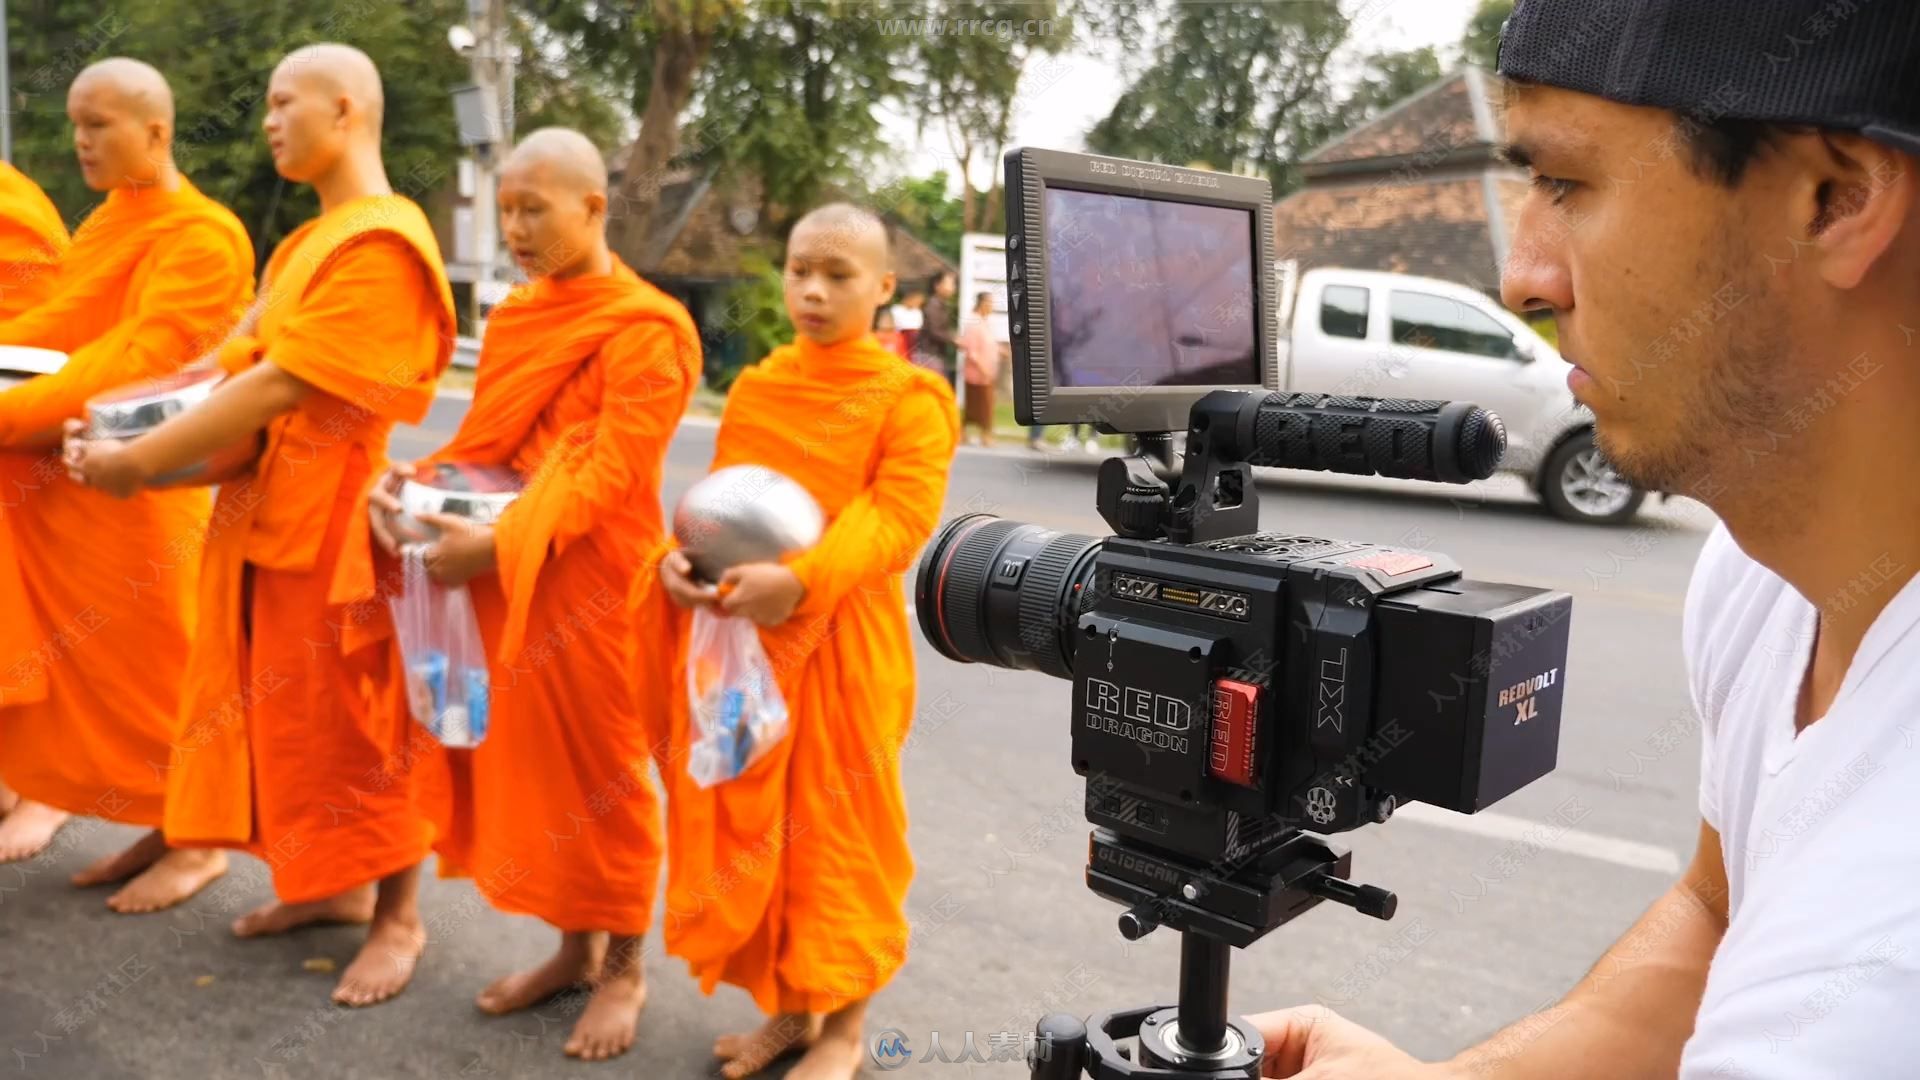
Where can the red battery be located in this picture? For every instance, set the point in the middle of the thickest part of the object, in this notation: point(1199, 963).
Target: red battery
point(1236, 712)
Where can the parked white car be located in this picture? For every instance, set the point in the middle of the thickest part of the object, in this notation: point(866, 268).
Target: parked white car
point(1364, 333)
point(1370, 334)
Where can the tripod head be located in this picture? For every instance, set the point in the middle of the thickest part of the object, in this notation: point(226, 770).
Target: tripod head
point(1216, 908)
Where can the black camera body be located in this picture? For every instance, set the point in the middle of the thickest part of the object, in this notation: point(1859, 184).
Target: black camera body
point(1228, 691)
point(1237, 694)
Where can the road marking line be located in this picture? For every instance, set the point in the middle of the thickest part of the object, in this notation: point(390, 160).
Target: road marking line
point(1627, 853)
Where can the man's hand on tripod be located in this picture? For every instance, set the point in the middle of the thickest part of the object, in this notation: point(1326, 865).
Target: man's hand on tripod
point(1312, 1042)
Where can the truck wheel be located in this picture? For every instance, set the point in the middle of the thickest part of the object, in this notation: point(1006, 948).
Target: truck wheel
point(1578, 485)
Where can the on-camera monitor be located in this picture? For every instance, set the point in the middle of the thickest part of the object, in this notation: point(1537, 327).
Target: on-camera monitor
point(1135, 289)
point(1149, 292)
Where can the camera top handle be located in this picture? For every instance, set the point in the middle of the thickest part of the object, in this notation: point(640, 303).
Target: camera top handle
point(1229, 431)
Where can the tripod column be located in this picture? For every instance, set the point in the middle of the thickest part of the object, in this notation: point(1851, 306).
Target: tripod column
point(1203, 992)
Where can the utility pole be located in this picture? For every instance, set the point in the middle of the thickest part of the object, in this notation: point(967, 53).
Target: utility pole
point(492, 62)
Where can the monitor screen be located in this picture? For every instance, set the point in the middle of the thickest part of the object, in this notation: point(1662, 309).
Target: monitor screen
point(1149, 292)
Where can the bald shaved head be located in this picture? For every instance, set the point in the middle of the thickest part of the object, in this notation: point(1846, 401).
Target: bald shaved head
point(324, 109)
point(136, 85)
point(560, 157)
point(839, 269)
point(339, 71)
point(553, 205)
point(122, 113)
point(859, 229)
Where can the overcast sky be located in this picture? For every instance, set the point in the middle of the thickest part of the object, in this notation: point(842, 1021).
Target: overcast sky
point(1065, 97)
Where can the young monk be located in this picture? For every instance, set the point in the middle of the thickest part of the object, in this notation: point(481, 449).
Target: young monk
point(293, 712)
point(102, 607)
point(32, 240)
point(584, 375)
point(790, 880)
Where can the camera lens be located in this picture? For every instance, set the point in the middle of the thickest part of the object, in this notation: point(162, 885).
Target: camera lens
point(1001, 592)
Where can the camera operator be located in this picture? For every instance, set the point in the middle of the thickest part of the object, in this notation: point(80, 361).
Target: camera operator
point(1725, 223)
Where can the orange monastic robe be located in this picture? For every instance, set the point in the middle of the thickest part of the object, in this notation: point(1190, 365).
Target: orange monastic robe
point(32, 241)
point(293, 713)
point(791, 879)
point(581, 385)
point(99, 606)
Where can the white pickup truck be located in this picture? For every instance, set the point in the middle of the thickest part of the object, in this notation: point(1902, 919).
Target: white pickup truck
point(1372, 334)
point(1365, 333)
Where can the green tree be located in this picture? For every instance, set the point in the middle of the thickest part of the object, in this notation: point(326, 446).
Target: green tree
point(554, 88)
point(922, 205)
point(1226, 87)
point(1481, 42)
point(790, 99)
point(217, 55)
point(756, 310)
point(49, 41)
point(1386, 79)
point(657, 48)
point(967, 84)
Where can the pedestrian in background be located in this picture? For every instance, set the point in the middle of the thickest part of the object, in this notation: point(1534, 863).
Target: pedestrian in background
point(982, 371)
point(907, 316)
point(933, 346)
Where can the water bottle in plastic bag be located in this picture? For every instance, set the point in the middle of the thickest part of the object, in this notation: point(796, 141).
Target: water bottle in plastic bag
point(446, 661)
point(737, 711)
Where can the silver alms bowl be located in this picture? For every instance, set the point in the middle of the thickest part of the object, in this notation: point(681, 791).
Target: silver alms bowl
point(18, 363)
point(742, 514)
point(131, 411)
point(477, 493)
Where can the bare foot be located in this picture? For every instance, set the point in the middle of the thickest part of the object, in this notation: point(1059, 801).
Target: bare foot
point(605, 1029)
point(781, 1035)
point(384, 964)
point(834, 1056)
point(9, 799)
point(143, 853)
point(27, 830)
point(173, 878)
point(576, 964)
point(353, 906)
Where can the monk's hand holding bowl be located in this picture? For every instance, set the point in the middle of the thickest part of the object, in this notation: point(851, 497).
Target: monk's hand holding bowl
point(384, 510)
point(102, 464)
point(463, 552)
point(765, 592)
point(676, 576)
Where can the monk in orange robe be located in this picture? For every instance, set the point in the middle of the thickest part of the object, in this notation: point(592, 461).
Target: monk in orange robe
point(584, 374)
point(100, 606)
point(790, 880)
point(32, 240)
point(292, 728)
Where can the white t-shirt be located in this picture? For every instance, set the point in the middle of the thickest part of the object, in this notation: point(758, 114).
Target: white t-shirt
point(1819, 973)
point(907, 318)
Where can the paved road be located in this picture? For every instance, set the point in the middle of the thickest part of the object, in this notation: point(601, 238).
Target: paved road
point(1498, 912)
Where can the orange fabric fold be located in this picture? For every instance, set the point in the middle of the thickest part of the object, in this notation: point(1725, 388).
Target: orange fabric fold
point(791, 879)
point(99, 603)
point(291, 740)
point(32, 242)
point(581, 384)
